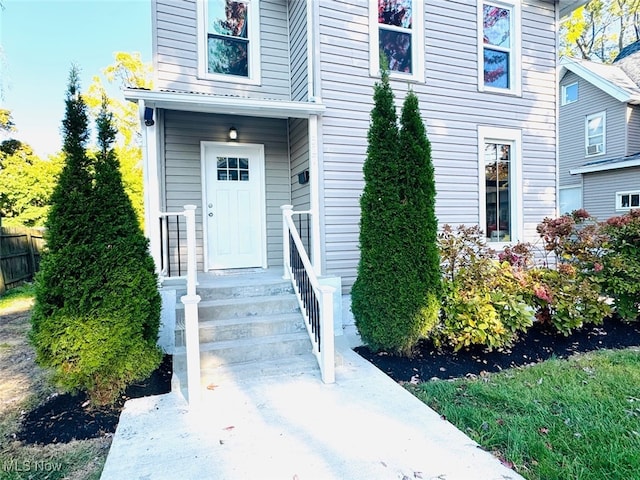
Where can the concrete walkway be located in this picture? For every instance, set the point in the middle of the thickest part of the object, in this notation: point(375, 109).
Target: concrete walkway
point(293, 427)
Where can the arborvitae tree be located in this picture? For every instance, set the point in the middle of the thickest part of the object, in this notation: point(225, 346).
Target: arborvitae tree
point(100, 334)
point(395, 296)
point(60, 292)
point(123, 324)
point(374, 293)
point(420, 287)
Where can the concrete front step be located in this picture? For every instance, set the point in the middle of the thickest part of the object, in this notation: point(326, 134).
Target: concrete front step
point(303, 364)
point(256, 349)
point(243, 291)
point(218, 377)
point(241, 307)
point(246, 327)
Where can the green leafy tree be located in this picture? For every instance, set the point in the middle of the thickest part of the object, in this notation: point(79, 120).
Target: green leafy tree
point(6, 122)
point(129, 71)
point(395, 295)
point(27, 184)
point(96, 318)
point(600, 29)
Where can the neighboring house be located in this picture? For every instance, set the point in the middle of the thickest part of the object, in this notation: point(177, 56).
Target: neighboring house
point(599, 134)
point(258, 104)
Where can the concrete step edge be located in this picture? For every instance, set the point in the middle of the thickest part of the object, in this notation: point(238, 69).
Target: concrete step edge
point(228, 322)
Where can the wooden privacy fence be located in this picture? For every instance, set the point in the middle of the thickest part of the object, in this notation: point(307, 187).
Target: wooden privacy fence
point(20, 250)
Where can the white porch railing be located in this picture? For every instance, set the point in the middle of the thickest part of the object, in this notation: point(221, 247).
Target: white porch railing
point(190, 302)
point(316, 300)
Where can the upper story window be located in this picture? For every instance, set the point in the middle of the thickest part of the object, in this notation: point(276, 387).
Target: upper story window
point(499, 47)
point(229, 40)
point(595, 133)
point(500, 183)
point(569, 93)
point(627, 200)
point(397, 34)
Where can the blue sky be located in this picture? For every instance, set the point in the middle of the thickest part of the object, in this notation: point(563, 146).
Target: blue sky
point(40, 39)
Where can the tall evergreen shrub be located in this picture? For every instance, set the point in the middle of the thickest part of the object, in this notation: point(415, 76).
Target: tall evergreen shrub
point(395, 295)
point(418, 225)
point(98, 333)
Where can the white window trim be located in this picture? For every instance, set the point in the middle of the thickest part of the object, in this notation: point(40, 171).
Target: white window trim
point(514, 137)
point(563, 98)
point(254, 77)
point(619, 207)
point(515, 57)
point(602, 114)
point(417, 43)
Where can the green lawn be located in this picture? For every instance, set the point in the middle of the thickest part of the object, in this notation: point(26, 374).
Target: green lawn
point(560, 419)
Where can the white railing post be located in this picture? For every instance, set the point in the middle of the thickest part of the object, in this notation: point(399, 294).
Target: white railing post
point(287, 210)
point(190, 301)
point(327, 348)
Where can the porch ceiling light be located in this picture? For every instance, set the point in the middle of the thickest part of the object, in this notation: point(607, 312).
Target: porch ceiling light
point(233, 133)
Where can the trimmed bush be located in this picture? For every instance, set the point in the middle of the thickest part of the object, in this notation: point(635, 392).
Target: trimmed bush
point(96, 318)
point(621, 264)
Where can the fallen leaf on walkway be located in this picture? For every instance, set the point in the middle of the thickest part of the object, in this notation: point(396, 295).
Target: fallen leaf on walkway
point(230, 427)
point(211, 386)
point(507, 463)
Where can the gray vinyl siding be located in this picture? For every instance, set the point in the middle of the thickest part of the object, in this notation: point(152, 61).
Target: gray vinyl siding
point(633, 130)
point(599, 194)
point(176, 51)
point(452, 108)
point(182, 166)
point(299, 151)
point(298, 49)
point(572, 127)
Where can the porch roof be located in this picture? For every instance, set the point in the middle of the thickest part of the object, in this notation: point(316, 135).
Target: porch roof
point(224, 104)
point(608, 164)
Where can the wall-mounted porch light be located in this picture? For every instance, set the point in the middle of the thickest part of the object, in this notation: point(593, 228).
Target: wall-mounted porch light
point(233, 133)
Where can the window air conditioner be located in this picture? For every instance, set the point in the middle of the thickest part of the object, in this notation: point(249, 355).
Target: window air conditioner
point(593, 149)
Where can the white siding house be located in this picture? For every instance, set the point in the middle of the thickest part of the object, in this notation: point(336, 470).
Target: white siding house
point(294, 79)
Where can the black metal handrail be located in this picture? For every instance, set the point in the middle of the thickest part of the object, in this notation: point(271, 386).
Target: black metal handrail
point(309, 298)
point(170, 242)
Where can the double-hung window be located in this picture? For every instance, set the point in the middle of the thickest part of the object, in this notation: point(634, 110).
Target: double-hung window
point(500, 183)
point(229, 40)
point(396, 33)
point(595, 133)
point(499, 47)
point(569, 93)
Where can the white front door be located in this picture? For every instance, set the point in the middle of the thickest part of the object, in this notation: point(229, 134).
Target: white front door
point(234, 205)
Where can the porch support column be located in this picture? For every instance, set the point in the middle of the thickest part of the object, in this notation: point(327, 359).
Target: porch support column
point(151, 185)
point(314, 194)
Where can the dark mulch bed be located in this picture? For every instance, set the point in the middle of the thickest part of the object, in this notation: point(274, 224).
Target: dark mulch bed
point(65, 417)
point(540, 343)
